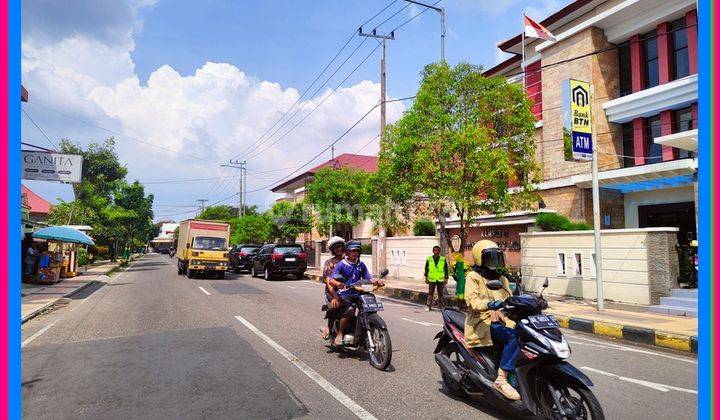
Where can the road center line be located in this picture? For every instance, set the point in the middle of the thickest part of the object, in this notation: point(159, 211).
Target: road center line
point(653, 385)
point(427, 324)
point(602, 344)
point(343, 399)
point(203, 290)
point(38, 334)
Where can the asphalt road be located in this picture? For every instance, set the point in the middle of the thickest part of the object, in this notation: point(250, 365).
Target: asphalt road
point(149, 343)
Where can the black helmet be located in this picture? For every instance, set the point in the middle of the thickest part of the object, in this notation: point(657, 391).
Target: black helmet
point(353, 245)
point(493, 258)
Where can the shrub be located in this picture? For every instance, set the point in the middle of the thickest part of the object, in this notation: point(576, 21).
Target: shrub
point(83, 257)
point(553, 222)
point(424, 227)
point(367, 249)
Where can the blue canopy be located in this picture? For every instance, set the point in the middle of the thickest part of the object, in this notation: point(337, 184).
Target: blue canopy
point(63, 234)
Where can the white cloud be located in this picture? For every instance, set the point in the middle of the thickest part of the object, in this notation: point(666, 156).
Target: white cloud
point(214, 113)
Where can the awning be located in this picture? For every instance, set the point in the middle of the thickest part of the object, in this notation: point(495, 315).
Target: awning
point(686, 140)
point(668, 174)
point(63, 234)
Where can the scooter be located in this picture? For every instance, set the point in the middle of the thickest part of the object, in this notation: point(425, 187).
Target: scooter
point(366, 329)
point(549, 386)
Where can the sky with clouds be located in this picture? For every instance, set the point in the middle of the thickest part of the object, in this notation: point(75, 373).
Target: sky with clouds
point(185, 86)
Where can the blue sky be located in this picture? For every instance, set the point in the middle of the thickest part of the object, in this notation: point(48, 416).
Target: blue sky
point(185, 85)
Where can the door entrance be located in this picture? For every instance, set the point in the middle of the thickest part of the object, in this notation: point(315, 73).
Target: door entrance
point(679, 215)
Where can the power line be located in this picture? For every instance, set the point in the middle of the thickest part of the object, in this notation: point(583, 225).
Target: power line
point(39, 129)
point(135, 139)
point(414, 17)
point(256, 142)
point(318, 106)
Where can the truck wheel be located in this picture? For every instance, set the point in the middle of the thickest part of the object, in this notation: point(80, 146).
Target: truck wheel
point(220, 275)
point(190, 274)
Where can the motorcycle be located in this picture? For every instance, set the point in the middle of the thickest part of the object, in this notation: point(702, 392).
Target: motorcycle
point(549, 386)
point(172, 252)
point(366, 329)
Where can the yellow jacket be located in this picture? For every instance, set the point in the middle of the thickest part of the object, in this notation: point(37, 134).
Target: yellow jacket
point(477, 297)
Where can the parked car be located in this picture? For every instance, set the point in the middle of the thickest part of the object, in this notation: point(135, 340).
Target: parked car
point(274, 260)
point(241, 257)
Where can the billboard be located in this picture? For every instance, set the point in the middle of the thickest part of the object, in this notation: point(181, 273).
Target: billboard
point(577, 130)
point(48, 166)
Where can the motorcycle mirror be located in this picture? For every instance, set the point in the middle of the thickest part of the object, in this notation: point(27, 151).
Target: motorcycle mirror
point(494, 284)
point(545, 283)
point(384, 273)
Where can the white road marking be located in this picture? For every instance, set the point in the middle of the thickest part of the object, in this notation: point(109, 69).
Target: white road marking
point(653, 385)
point(427, 324)
point(292, 287)
point(351, 405)
point(38, 334)
point(47, 327)
point(203, 290)
point(607, 345)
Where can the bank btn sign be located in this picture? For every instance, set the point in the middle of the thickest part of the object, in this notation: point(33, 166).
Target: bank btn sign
point(580, 120)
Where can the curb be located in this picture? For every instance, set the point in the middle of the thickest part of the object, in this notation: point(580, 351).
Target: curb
point(39, 310)
point(640, 335)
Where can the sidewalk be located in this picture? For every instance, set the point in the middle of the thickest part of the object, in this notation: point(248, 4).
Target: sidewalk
point(37, 298)
point(626, 322)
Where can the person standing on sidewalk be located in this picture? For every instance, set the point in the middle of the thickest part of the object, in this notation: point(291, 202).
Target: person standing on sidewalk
point(459, 266)
point(436, 275)
point(31, 257)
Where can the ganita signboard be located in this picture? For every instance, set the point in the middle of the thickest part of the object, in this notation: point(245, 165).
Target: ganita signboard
point(47, 166)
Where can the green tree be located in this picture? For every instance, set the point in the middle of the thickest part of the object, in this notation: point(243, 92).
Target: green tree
point(466, 140)
point(337, 196)
point(222, 213)
point(254, 229)
point(119, 213)
point(289, 220)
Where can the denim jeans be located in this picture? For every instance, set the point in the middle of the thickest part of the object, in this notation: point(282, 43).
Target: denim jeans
point(511, 345)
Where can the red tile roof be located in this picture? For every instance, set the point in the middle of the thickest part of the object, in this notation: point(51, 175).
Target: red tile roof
point(37, 204)
point(346, 160)
point(351, 161)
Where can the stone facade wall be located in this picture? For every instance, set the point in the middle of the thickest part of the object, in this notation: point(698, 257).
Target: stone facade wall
point(599, 69)
point(612, 202)
point(663, 267)
point(568, 201)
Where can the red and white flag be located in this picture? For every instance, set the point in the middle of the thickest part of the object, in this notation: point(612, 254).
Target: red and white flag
point(536, 30)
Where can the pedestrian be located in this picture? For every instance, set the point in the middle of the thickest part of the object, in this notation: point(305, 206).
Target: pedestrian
point(31, 257)
point(459, 266)
point(436, 275)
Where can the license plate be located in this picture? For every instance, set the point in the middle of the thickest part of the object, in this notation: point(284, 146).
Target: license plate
point(210, 266)
point(370, 304)
point(289, 259)
point(542, 322)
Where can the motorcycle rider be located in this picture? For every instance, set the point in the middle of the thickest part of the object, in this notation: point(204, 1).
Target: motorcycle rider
point(485, 323)
point(336, 246)
point(353, 270)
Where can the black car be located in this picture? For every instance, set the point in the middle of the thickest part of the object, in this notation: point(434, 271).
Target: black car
point(241, 257)
point(279, 259)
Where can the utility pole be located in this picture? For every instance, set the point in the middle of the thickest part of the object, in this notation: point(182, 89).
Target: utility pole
point(243, 182)
point(596, 229)
point(441, 214)
point(202, 202)
point(440, 10)
point(382, 258)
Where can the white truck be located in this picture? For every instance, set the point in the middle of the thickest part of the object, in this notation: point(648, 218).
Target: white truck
point(203, 248)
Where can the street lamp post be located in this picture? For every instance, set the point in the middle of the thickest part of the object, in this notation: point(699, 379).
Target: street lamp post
point(440, 10)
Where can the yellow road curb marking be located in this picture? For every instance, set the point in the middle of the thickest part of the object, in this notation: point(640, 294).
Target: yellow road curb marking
point(672, 341)
point(608, 329)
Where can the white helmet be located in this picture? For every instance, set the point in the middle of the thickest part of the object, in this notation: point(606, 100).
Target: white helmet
point(335, 240)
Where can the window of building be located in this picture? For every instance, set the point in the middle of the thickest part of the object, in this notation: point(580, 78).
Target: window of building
point(578, 264)
point(628, 144)
point(683, 120)
point(561, 264)
point(652, 69)
point(625, 70)
point(593, 265)
point(679, 54)
point(654, 130)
